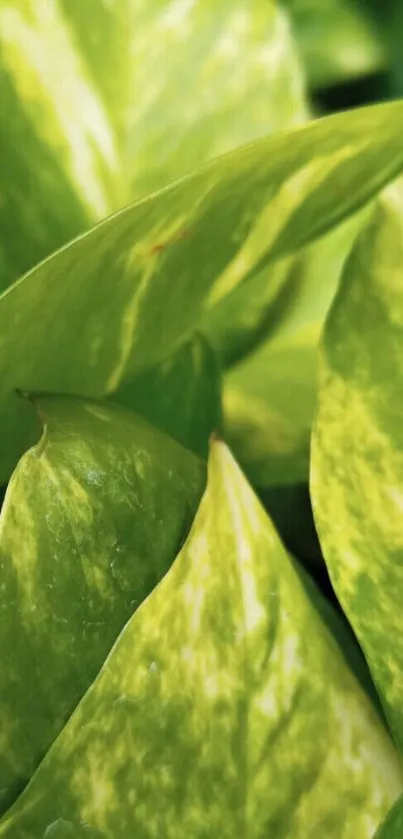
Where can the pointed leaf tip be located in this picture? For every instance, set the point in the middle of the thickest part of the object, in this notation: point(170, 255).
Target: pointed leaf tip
point(222, 678)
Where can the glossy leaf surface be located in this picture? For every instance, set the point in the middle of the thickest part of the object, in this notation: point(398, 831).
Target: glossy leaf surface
point(223, 677)
point(135, 285)
point(92, 519)
point(357, 455)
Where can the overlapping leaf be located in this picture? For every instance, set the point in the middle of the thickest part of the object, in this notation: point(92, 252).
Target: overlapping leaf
point(93, 517)
point(269, 398)
point(60, 163)
point(357, 458)
point(225, 708)
point(244, 317)
point(135, 285)
point(182, 395)
point(87, 123)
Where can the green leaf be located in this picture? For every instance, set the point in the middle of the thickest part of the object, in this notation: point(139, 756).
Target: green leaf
point(357, 460)
point(340, 629)
point(92, 518)
point(224, 709)
point(286, 295)
point(231, 74)
point(388, 21)
point(269, 399)
point(182, 395)
point(242, 320)
point(337, 39)
point(121, 297)
point(88, 124)
point(268, 410)
point(60, 162)
point(392, 826)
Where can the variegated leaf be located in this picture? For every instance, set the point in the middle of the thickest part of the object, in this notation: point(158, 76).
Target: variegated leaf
point(121, 297)
point(103, 102)
point(225, 708)
point(269, 398)
point(92, 518)
point(357, 451)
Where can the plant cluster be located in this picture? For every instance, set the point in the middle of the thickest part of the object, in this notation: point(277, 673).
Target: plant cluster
point(201, 315)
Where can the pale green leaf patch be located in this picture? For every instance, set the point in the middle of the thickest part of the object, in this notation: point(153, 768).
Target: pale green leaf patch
point(136, 285)
point(225, 708)
point(357, 449)
point(88, 124)
point(93, 517)
point(231, 73)
point(61, 168)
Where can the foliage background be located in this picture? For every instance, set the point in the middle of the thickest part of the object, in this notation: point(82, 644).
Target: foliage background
point(199, 309)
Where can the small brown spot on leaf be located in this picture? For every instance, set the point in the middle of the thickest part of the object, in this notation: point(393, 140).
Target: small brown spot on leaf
point(178, 237)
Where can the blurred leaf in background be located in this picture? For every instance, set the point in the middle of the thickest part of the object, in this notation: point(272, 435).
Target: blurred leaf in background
point(61, 164)
point(208, 76)
point(388, 19)
point(96, 115)
point(337, 39)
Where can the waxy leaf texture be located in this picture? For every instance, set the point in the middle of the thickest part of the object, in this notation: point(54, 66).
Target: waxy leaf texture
point(225, 708)
point(138, 283)
point(93, 517)
point(357, 449)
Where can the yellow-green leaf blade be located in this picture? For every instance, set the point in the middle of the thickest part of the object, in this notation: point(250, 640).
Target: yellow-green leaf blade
point(92, 518)
point(87, 125)
point(357, 464)
point(121, 297)
point(225, 708)
point(231, 74)
point(285, 296)
point(60, 163)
